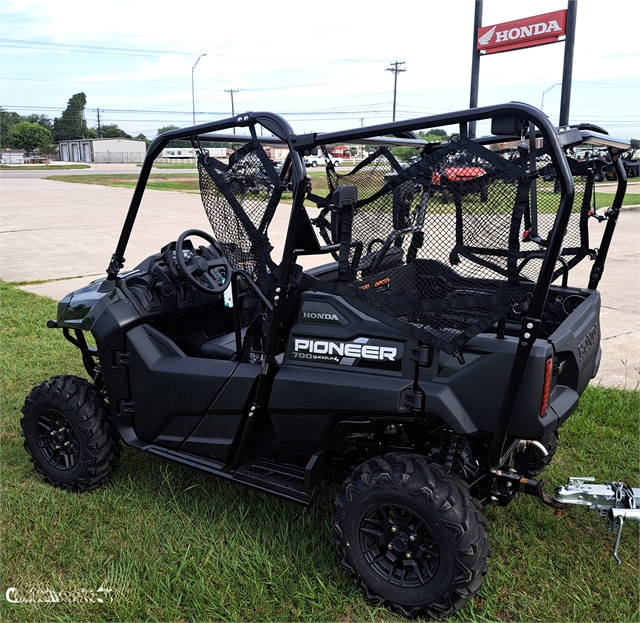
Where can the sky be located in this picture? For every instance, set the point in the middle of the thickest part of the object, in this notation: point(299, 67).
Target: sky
point(321, 64)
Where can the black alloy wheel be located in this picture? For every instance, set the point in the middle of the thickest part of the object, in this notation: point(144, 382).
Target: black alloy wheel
point(69, 435)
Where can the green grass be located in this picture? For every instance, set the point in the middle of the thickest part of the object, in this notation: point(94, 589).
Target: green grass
point(48, 167)
point(157, 181)
point(189, 183)
point(174, 165)
point(178, 545)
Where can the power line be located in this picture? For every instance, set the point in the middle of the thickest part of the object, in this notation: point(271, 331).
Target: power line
point(97, 49)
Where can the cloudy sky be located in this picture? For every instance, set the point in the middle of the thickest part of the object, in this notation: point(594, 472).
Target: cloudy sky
point(321, 63)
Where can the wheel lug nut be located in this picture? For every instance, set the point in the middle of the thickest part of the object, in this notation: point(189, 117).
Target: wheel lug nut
point(412, 537)
point(408, 554)
point(394, 529)
point(390, 546)
point(53, 433)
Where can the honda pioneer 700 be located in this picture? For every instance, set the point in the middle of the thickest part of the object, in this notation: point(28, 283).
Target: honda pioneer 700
point(430, 357)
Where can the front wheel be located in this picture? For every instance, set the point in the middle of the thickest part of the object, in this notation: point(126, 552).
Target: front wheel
point(410, 536)
point(69, 435)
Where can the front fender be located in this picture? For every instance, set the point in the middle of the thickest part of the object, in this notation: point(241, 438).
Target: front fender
point(81, 308)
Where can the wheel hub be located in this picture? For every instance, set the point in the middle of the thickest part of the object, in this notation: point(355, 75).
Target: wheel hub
point(57, 440)
point(400, 542)
point(399, 546)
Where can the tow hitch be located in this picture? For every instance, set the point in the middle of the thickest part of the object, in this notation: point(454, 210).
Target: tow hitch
point(614, 501)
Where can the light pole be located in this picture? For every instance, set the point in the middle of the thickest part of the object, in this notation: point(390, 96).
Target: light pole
point(545, 92)
point(193, 96)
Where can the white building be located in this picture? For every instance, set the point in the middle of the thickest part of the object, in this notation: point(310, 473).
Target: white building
point(12, 157)
point(178, 153)
point(102, 150)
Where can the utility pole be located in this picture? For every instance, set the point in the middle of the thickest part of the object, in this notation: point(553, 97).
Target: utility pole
point(395, 71)
point(99, 128)
point(233, 112)
point(193, 92)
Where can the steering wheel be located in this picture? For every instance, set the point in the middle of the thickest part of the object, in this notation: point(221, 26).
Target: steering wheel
point(199, 270)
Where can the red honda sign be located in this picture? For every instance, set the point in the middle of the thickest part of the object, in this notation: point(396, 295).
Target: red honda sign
point(522, 33)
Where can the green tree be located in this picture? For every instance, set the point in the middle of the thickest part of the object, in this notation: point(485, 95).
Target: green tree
point(142, 137)
point(42, 120)
point(404, 154)
point(635, 145)
point(7, 120)
point(71, 124)
point(30, 136)
point(168, 128)
point(113, 131)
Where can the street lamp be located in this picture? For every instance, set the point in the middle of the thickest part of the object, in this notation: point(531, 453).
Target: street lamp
point(545, 92)
point(193, 96)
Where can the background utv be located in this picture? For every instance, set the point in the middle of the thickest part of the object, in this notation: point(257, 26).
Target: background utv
point(430, 362)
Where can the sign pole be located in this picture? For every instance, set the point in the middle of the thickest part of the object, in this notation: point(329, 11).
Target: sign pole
point(567, 71)
point(475, 66)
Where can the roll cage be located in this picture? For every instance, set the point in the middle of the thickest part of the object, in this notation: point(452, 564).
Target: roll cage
point(493, 274)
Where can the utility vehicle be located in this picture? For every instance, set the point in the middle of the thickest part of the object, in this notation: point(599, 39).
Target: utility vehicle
point(427, 357)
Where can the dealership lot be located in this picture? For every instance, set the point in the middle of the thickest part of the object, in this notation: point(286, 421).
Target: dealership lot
point(65, 234)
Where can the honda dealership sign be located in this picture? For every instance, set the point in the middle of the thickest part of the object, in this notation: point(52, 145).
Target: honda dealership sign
point(522, 33)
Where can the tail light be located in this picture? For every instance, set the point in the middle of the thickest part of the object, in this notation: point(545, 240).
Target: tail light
point(546, 389)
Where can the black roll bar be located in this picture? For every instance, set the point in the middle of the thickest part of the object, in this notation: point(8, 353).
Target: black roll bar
point(274, 123)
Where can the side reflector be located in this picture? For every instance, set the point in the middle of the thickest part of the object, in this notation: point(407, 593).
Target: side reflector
point(548, 370)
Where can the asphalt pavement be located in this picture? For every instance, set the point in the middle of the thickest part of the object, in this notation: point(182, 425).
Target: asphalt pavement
point(64, 234)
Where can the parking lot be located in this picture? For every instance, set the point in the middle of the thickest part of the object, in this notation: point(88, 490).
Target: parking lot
point(64, 234)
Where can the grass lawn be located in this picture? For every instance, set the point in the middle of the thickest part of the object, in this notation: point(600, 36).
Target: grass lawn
point(174, 165)
point(189, 183)
point(176, 545)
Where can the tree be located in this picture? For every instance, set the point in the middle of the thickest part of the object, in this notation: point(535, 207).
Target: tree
point(142, 137)
point(168, 128)
point(635, 145)
point(434, 135)
point(71, 123)
point(42, 120)
point(113, 131)
point(404, 154)
point(7, 120)
point(30, 136)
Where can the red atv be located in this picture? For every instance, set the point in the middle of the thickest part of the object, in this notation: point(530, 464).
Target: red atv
point(459, 178)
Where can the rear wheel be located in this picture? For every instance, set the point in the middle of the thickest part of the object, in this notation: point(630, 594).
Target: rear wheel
point(69, 434)
point(410, 536)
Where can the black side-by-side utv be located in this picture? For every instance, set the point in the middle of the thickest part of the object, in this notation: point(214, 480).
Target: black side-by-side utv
point(429, 357)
